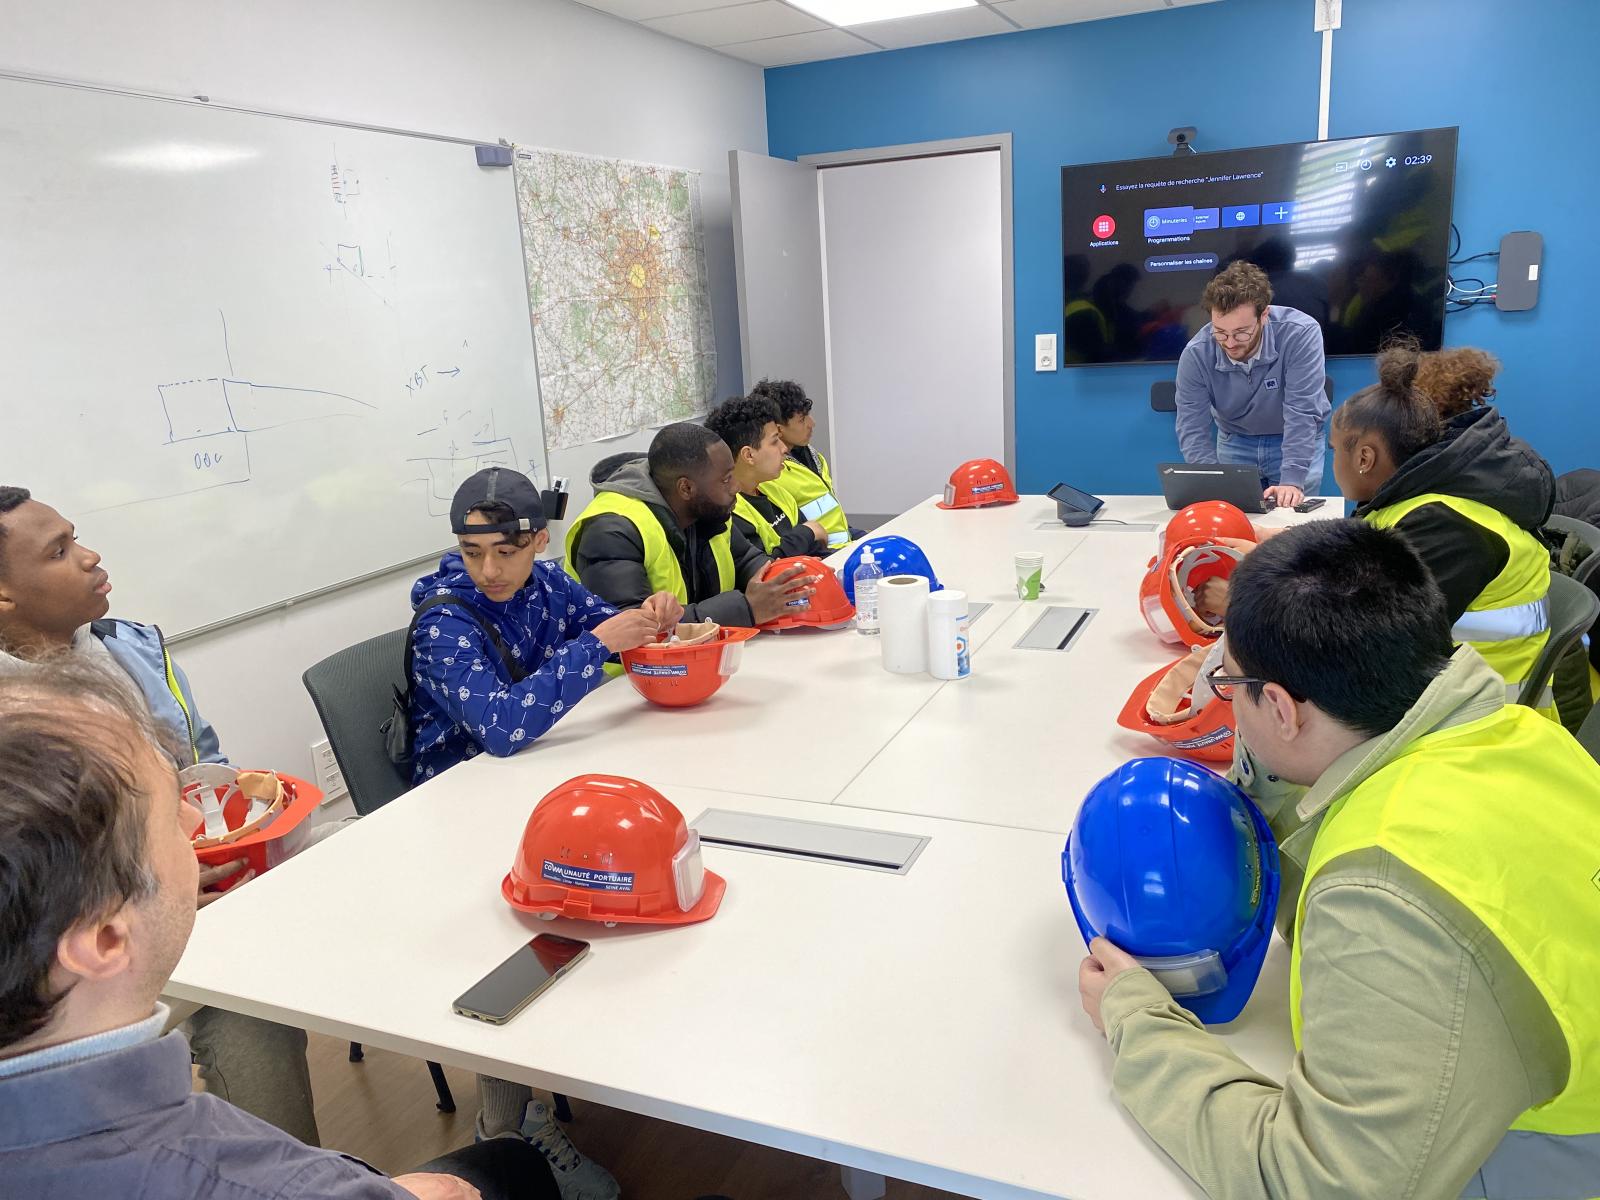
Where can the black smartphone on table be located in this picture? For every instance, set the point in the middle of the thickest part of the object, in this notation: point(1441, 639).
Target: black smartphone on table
point(513, 985)
point(1310, 504)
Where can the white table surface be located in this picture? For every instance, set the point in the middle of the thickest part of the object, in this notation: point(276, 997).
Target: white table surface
point(839, 706)
point(923, 1026)
point(1021, 740)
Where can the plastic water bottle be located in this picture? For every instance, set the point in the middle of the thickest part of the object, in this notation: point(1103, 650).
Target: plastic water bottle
point(866, 582)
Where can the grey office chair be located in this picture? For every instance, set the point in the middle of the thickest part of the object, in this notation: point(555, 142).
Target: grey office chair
point(353, 692)
point(1589, 733)
point(1164, 394)
point(1573, 533)
point(1573, 608)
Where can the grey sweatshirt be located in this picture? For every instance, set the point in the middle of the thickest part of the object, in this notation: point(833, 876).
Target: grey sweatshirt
point(1281, 395)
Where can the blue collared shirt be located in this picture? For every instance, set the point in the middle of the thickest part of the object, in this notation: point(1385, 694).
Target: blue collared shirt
point(1280, 395)
point(125, 1123)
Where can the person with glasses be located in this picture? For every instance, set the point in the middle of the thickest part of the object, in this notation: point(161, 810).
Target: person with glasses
point(1439, 892)
point(1256, 373)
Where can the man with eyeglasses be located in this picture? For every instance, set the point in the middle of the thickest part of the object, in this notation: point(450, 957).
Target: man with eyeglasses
point(1257, 372)
point(1440, 856)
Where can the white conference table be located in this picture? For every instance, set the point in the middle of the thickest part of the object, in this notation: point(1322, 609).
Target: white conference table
point(1021, 740)
point(922, 1026)
point(840, 707)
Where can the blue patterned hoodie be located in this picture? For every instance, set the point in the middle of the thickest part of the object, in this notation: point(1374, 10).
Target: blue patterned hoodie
point(463, 700)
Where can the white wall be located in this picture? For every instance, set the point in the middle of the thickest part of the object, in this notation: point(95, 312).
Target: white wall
point(913, 272)
point(544, 72)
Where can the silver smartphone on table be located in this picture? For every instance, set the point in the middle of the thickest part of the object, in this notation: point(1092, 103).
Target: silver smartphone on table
point(513, 985)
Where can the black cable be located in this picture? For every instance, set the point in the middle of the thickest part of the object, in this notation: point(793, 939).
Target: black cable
point(1458, 262)
point(1456, 249)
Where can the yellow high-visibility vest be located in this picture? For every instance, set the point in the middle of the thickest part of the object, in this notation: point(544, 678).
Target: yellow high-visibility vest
point(1509, 622)
point(1503, 813)
point(812, 493)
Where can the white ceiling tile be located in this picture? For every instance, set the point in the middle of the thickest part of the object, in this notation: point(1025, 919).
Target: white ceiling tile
point(1039, 14)
point(934, 27)
point(644, 10)
point(741, 23)
point(799, 48)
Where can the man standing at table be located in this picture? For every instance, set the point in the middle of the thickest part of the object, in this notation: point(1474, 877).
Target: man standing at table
point(1441, 885)
point(1256, 372)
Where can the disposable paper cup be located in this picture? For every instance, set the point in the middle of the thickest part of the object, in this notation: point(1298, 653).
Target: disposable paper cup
point(1030, 570)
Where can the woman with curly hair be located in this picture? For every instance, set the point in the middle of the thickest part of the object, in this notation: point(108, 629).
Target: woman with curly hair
point(1467, 495)
point(1457, 380)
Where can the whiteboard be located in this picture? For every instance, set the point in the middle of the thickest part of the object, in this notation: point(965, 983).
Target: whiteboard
point(249, 356)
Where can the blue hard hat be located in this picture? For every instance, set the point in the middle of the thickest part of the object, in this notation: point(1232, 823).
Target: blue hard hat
point(894, 555)
point(1176, 866)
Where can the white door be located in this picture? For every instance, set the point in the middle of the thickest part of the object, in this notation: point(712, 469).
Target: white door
point(914, 277)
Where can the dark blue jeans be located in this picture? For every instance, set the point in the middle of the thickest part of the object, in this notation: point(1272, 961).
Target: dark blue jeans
point(1264, 452)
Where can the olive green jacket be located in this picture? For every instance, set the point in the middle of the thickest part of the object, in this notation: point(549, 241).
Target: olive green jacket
point(1422, 1039)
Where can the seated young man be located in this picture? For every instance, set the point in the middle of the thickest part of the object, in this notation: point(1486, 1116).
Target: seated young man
point(97, 884)
point(1439, 889)
point(660, 522)
point(765, 513)
point(53, 603)
point(505, 645)
point(805, 471)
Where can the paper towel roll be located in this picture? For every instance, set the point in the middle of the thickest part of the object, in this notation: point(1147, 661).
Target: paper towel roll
point(902, 614)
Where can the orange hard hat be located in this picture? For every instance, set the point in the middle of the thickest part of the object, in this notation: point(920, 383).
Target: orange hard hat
point(251, 815)
point(681, 674)
point(1210, 519)
point(1167, 592)
point(977, 484)
point(605, 848)
point(1177, 705)
point(826, 608)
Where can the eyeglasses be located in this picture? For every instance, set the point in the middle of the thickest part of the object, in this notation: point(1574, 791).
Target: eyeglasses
point(1239, 336)
point(1223, 685)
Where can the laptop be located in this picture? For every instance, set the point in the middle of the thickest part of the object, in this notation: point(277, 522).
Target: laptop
point(1184, 484)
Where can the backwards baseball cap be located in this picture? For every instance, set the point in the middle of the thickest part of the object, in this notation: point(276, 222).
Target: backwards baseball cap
point(498, 485)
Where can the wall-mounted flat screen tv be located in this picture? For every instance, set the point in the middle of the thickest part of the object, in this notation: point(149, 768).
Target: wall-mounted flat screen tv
point(1354, 232)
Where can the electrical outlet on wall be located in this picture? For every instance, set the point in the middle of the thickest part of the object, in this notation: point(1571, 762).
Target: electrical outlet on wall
point(329, 778)
point(1044, 352)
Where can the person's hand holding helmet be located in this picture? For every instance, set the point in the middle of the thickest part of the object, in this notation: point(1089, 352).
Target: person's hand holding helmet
point(1095, 973)
point(210, 876)
point(628, 630)
point(667, 610)
point(768, 598)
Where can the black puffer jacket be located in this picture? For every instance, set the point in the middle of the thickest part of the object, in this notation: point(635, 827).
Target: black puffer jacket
point(1578, 495)
point(609, 556)
point(1476, 459)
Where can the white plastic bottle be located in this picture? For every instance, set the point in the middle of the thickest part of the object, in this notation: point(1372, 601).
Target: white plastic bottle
point(949, 642)
point(866, 585)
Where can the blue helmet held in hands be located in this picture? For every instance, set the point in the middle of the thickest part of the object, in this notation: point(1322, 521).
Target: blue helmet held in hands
point(1175, 865)
point(894, 555)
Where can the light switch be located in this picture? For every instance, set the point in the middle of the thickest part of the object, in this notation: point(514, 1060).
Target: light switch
point(1044, 352)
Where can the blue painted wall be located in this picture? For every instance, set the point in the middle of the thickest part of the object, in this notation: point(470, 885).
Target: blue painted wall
point(1518, 78)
